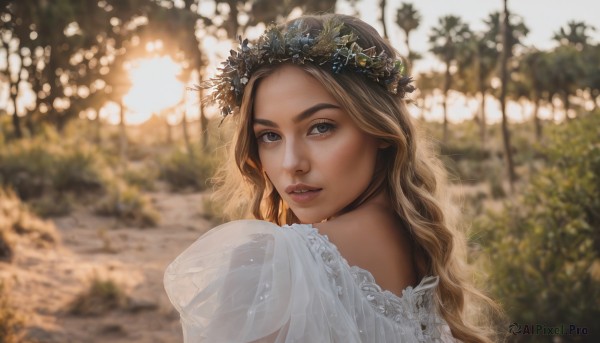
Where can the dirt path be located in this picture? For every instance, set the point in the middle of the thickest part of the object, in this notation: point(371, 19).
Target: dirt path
point(45, 281)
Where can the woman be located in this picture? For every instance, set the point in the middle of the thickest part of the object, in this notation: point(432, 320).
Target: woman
point(325, 147)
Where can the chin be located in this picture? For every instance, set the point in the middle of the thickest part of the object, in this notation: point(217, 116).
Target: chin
point(305, 217)
point(308, 218)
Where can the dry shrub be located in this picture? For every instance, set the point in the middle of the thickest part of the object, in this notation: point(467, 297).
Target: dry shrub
point(6, 247)
point(17, 221)
point(11, 322)
point(102, 296)
point(182, 170)
point(129, 205)
point(40, 167)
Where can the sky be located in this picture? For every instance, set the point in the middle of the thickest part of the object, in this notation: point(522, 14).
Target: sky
point(542, 17)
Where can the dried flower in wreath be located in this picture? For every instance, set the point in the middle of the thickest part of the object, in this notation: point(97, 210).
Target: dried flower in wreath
point(296, 45)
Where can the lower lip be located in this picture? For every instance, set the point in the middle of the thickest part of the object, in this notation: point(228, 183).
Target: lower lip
point(304, 197)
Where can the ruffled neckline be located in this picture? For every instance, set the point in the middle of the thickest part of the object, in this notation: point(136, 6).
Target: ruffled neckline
point(416, 304)
point(427, 283)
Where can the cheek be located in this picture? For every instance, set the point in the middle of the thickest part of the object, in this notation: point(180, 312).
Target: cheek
point(270, 164)
point(353, 157)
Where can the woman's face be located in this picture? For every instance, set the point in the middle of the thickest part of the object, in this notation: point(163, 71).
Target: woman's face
point(307, 142)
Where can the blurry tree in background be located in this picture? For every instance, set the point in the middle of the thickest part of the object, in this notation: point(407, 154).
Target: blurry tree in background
point(575, 33)
point(534, 71)
point(382, 7)
point(427, 84)
point(544, 248)
point(408, 19)
point(74, 54)
point(568, 69)
point(509, 39)
point(479, 60)
point(446, 40)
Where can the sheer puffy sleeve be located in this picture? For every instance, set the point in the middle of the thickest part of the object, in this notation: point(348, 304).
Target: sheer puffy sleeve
point(253, 281)
point(242, 282)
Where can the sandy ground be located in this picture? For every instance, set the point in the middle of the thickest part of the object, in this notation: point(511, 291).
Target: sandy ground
point(43, 282)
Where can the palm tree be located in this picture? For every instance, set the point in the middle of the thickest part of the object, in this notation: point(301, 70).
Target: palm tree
point(266, 11)
point(534, 70)
point(408, 19)
point(382, 5)
point(568, 73)
point(446, 41)
point(591, 58)
point(506, 53)
point(575, 34)
point(487, 46)
point(427, 84)
point(477, 62)
point(568, 58)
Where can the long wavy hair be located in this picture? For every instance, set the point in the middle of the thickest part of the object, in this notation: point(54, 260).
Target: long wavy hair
point(408, 171)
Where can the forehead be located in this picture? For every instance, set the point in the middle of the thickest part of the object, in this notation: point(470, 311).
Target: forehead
point(287, 91)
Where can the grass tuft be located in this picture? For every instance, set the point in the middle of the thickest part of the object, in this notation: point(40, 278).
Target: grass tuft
point(102, 296)
point(129, 205)
point(11, 322)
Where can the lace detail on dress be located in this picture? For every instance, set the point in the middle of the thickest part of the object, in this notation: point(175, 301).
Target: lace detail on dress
point(415, 306)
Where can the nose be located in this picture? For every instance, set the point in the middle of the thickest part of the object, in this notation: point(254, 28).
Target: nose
point(295, 158)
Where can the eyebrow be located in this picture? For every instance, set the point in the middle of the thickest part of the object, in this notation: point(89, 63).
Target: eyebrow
point(300, 117)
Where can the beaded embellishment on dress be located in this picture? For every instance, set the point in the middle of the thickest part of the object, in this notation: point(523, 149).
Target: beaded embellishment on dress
point(415, 305)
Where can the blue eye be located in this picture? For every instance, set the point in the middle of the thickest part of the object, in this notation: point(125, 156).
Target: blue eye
point(268, 137)
point(322, 128)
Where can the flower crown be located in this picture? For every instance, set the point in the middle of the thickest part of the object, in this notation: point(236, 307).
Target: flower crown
point(296, 45)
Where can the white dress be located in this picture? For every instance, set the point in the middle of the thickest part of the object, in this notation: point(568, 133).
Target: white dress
point(254, 281)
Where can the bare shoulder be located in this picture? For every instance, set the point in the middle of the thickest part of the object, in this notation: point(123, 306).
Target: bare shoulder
point(371, 238)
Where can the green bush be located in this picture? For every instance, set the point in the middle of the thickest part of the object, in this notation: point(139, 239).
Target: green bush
point(544, 248)
point(143, 177)
point(102, 296)
point(78, 170)
point(128, 204)
point(472, 152)
point(35, 167)
point(183, 170)
point(52, 204)
point(26, 167)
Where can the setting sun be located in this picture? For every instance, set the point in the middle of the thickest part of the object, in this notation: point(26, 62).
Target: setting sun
point(155, 87)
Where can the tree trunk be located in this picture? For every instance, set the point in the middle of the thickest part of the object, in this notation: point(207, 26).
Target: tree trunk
point(97, 127)
point(567, 104)
point(122, 133)
point(504, 74)
point(595, 95)
point(186, 136)
point(447, 84)
point(234, 25)
point(552, 107)
point(536, 119)
point(482, 119)
point(52, 80)
point(203, 122)
point(15, 118)
point(14, 93)
point(28, 119)
point(382, 5)
point(409, 65)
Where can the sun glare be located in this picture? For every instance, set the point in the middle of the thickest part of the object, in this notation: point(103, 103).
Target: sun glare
point(155, 87)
